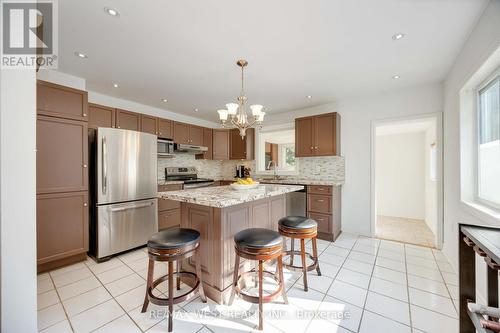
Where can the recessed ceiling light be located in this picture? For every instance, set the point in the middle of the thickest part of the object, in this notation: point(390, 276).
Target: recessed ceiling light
point(195, 110)
point(111, 11)
point(164, 100)
point(81, 55)
point(309, 97)
point(115, 85)
point(398, 36)
point(395, 77)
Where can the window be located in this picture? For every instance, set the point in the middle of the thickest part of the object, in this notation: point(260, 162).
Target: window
point(488, 175)
point(276, 151)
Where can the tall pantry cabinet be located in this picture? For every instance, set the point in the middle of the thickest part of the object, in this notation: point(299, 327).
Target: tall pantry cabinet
point(62, 175)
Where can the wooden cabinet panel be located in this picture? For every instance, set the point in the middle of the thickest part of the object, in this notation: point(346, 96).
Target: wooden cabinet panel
point(181, 133)
point(169, 218)
point(59, 101)
point(304, 145)
point(149, 124)
point(324, 135)
point(319, 203)
point(324, 221)
point(62, 225)
point(221, 144)
point(61, 161)
point(196, 135)
point(165, 129)
point(128, 120)
point(319, 189)
point(101, 116)
point(237, 146)
point(170, 187)
point(207, 142)
point(165, 204)
point(250, 144)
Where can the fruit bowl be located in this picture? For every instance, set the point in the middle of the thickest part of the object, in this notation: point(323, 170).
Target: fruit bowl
point(238, 187)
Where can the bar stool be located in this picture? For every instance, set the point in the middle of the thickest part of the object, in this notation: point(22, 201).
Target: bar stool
point(261, 245)
point(300, 227)
point(173, 245)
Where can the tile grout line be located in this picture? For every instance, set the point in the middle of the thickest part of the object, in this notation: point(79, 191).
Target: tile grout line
point(445, 284)
point(62, 306)
point(408, 289)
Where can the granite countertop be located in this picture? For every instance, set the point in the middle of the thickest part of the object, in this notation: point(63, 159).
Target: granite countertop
point(169, 182)
point(325, 182)
point(225, 196)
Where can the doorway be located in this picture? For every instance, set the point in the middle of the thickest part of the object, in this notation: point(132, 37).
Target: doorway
point(406, 180)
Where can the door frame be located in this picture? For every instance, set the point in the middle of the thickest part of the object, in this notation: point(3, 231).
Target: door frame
point(438, 116)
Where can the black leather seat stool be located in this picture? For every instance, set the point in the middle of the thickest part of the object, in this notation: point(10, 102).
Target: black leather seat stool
point(173, 245)
point(300, 227)
point(261, 245)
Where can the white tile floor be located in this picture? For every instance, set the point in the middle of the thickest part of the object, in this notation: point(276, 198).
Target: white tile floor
point(368, 285)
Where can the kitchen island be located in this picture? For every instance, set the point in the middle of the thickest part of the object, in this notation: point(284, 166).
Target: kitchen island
point(218, 213)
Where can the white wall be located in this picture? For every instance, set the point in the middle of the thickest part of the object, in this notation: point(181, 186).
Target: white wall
point(400, 175)
point(17, 201)
point(431, 186)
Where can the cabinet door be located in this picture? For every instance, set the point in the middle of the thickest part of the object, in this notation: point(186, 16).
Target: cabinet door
point(319, 203)
point(238, 146)
point(149, 124)
point(207, 142)
point(324, 221)
point(101, 116)
point(61, 225)
point(169, 219)
point(59, 101)
point(324, 135)
point(165, 129)
point(196, 135)
point(181, 133)
point(61, 158)
point(128, 120)
point(304, 145)
point(250, 144)
point(221, 144)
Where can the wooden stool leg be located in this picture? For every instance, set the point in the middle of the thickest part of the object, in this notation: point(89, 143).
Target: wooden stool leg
point(304, 264)
point(261, 319)
point(235, 277)
point(282, 279)
point(178, 266)
point(256, 280)
point(292, 248)
point(149, 284)
point(198, 273)
point(170, 294)
point(315, 256)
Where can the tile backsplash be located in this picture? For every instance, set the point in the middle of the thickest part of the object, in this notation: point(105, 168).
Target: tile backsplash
point(325, 168)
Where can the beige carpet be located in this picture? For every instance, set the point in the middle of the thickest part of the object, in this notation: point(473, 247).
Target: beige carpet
point(405, 230)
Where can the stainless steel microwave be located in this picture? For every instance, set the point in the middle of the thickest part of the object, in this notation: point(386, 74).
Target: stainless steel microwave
point(165, 148)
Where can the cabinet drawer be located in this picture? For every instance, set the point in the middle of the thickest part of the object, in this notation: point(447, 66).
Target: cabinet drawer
point(319, 189)
point(169, 218)
point(324, 221)
point(165, 204)
point(319, 203)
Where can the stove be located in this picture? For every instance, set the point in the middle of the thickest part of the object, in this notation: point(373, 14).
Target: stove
point(188, 175)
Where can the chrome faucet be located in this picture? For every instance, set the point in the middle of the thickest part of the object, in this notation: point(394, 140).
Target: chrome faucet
point(275, 176)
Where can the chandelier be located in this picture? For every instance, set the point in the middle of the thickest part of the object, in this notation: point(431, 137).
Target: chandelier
point(236, 113)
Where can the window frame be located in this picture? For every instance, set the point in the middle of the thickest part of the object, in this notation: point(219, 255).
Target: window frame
point(490, 80)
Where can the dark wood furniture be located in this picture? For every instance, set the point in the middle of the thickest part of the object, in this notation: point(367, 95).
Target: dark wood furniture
point(260, 245)
point(169, 211)
point(242, 149)
point(149, 124)
point(323, 206)
point(101, 116)
point(207, 142)
point(165, 128)
point(302, 228)
point(317, 135)
point(188, 134)
point(62, 176)
point(220, 144)
point(128, 120)
point(485, 241)
point(171, 246)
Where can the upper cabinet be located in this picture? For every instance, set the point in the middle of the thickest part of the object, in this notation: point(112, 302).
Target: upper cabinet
point(188, 134)
point(101, 116)
point(207, 142)
point(59, 101)
point(317, 135)
point(149, 124)
point(128, 120)
point(242, 148)
point(220, 144)
point(165, 128)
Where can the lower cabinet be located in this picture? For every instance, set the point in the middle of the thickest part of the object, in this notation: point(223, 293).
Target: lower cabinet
point(169, 211)
point(323, 206)
point(62, 228)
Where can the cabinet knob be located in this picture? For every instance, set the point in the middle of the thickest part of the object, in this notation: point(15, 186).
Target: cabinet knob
point(320, 200)
point(117, 126)
point(85, 115)
point(160, 133)
point(85, 165)
point(316, 148)
point(84, 204)
point(312, 148)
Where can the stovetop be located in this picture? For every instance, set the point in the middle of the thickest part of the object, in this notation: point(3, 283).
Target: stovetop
point(186, 174)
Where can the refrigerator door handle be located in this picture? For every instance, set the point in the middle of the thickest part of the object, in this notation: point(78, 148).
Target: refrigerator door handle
point(104, 165)
point(120, 209)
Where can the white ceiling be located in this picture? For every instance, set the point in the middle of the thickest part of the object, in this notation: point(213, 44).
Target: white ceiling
point(185, 50)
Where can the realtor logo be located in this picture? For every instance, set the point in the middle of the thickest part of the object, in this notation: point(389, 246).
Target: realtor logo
point(29, 34)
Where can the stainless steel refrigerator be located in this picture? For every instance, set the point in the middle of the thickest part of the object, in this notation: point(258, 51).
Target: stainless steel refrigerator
point(123, 189)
